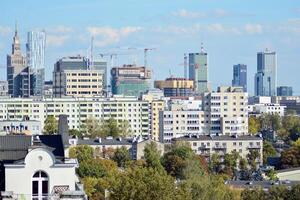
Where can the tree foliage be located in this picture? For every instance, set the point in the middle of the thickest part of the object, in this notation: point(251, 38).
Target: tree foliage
point(290, 157)
point(81, 152)
point(121, 156)
point(253, 125)
point(268, 151)
point(50, 125)
point(152, 156)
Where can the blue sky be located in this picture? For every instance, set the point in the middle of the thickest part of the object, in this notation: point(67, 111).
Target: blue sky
point(232, 32)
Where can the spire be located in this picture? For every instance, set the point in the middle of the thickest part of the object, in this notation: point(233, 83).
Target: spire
point(16, 28)
point(202, 48)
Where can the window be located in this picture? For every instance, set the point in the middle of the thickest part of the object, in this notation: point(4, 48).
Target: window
point(39, 186)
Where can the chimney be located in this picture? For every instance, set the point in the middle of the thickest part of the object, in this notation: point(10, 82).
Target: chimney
point(63, 128)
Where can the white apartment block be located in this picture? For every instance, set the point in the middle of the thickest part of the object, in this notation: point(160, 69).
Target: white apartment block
point(121, 108)
point(208, 145)
point(226, 111)
point(180, 122)
point(268, 108)
point(78, 83)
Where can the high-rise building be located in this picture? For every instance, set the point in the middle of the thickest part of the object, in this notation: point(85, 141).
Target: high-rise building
point(173, 87)
point(284, 91)
point(266, 76)
point(72, 76)
point(240, 76)
point(35, 48)
point(17, 72)
point(198, 71)
point(130, 80)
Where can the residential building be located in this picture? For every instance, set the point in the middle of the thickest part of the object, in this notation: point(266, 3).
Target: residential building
point(73, 76)
point(207, 145)
point(156, 104)
point(48, 89)
point(198, 71)
point(178, 122)
point(292, 103)
point(27, 127)
point(35, 50)
point(17, 72)
point(270, 108)
point(266, 75)
point(37, 162)
point(3, 88)
point(240, 76)
point(174, 87)
point(226, 111)
point(121, 108)
point(284, 91)
point(130, 80)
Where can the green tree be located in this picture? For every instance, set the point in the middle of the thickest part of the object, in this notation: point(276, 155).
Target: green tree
point(290, 158)
point(253, 125)
point(230, 162)
point(152, 156)
point(121, 156)
point(256, 194)
point(75, 132)
point(268, 151)
point(277, 193)
point(214, 163)
point(294, 194)
point(243, 164)
point(271, 174)
point(252, 157)
point(81, 152)
point(125, 128)
point(50, 125)
point(143, 184)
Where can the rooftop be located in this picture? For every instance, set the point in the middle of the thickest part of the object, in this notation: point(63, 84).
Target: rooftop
point(216, 138)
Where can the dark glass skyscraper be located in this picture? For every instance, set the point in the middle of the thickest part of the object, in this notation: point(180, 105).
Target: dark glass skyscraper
point(240, 76)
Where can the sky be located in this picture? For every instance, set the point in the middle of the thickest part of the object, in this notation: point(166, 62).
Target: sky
point(232, 32)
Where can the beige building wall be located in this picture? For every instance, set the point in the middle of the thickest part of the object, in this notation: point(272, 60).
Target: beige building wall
point(79, 83)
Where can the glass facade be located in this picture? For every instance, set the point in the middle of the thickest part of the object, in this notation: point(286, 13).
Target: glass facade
point(240, 76)
point(36, 41)
point(266, 76)
point(198, 71)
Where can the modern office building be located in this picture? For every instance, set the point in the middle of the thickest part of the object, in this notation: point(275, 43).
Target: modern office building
point(17, 72)
point(226, 111)
point(240, 76)
point(130, 80)
point(35, 51)
point(284, 91)
point(176, 87)
point(73, 76)
point(266, 77)
point(198, 71)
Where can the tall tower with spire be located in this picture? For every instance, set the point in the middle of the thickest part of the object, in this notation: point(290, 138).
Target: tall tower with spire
point(17, 72)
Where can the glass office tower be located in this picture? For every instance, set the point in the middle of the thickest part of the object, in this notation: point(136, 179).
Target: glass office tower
point(36, 43)
point(240, 76)
point(266, 76)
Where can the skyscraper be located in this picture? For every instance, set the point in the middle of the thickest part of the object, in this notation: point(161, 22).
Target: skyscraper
point(198, 71)
point(17, 72)
point(240, 76)
point(284, 91)
point(35, 48)
point(266, 76)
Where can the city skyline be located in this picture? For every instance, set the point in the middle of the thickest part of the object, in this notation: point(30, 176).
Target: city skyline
point(231, 32)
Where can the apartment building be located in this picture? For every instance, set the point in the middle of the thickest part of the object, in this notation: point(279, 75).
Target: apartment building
point(226, 111)
point(173, 87)
point(207, 145)
point(268, 108)
point(121, 108)
point(178, 122)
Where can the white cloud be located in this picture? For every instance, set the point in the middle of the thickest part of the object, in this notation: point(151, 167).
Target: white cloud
point(188, 14)
point(4, 30)
point(56, 40)
point(291, 26)
point(220, 13)
point(108, 35)
point(253, 28)
point(60, 29)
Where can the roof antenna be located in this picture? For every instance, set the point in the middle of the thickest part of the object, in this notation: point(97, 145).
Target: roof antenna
point(202, 48)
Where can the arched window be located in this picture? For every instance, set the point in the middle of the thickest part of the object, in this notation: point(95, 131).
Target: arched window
point(40, 186)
